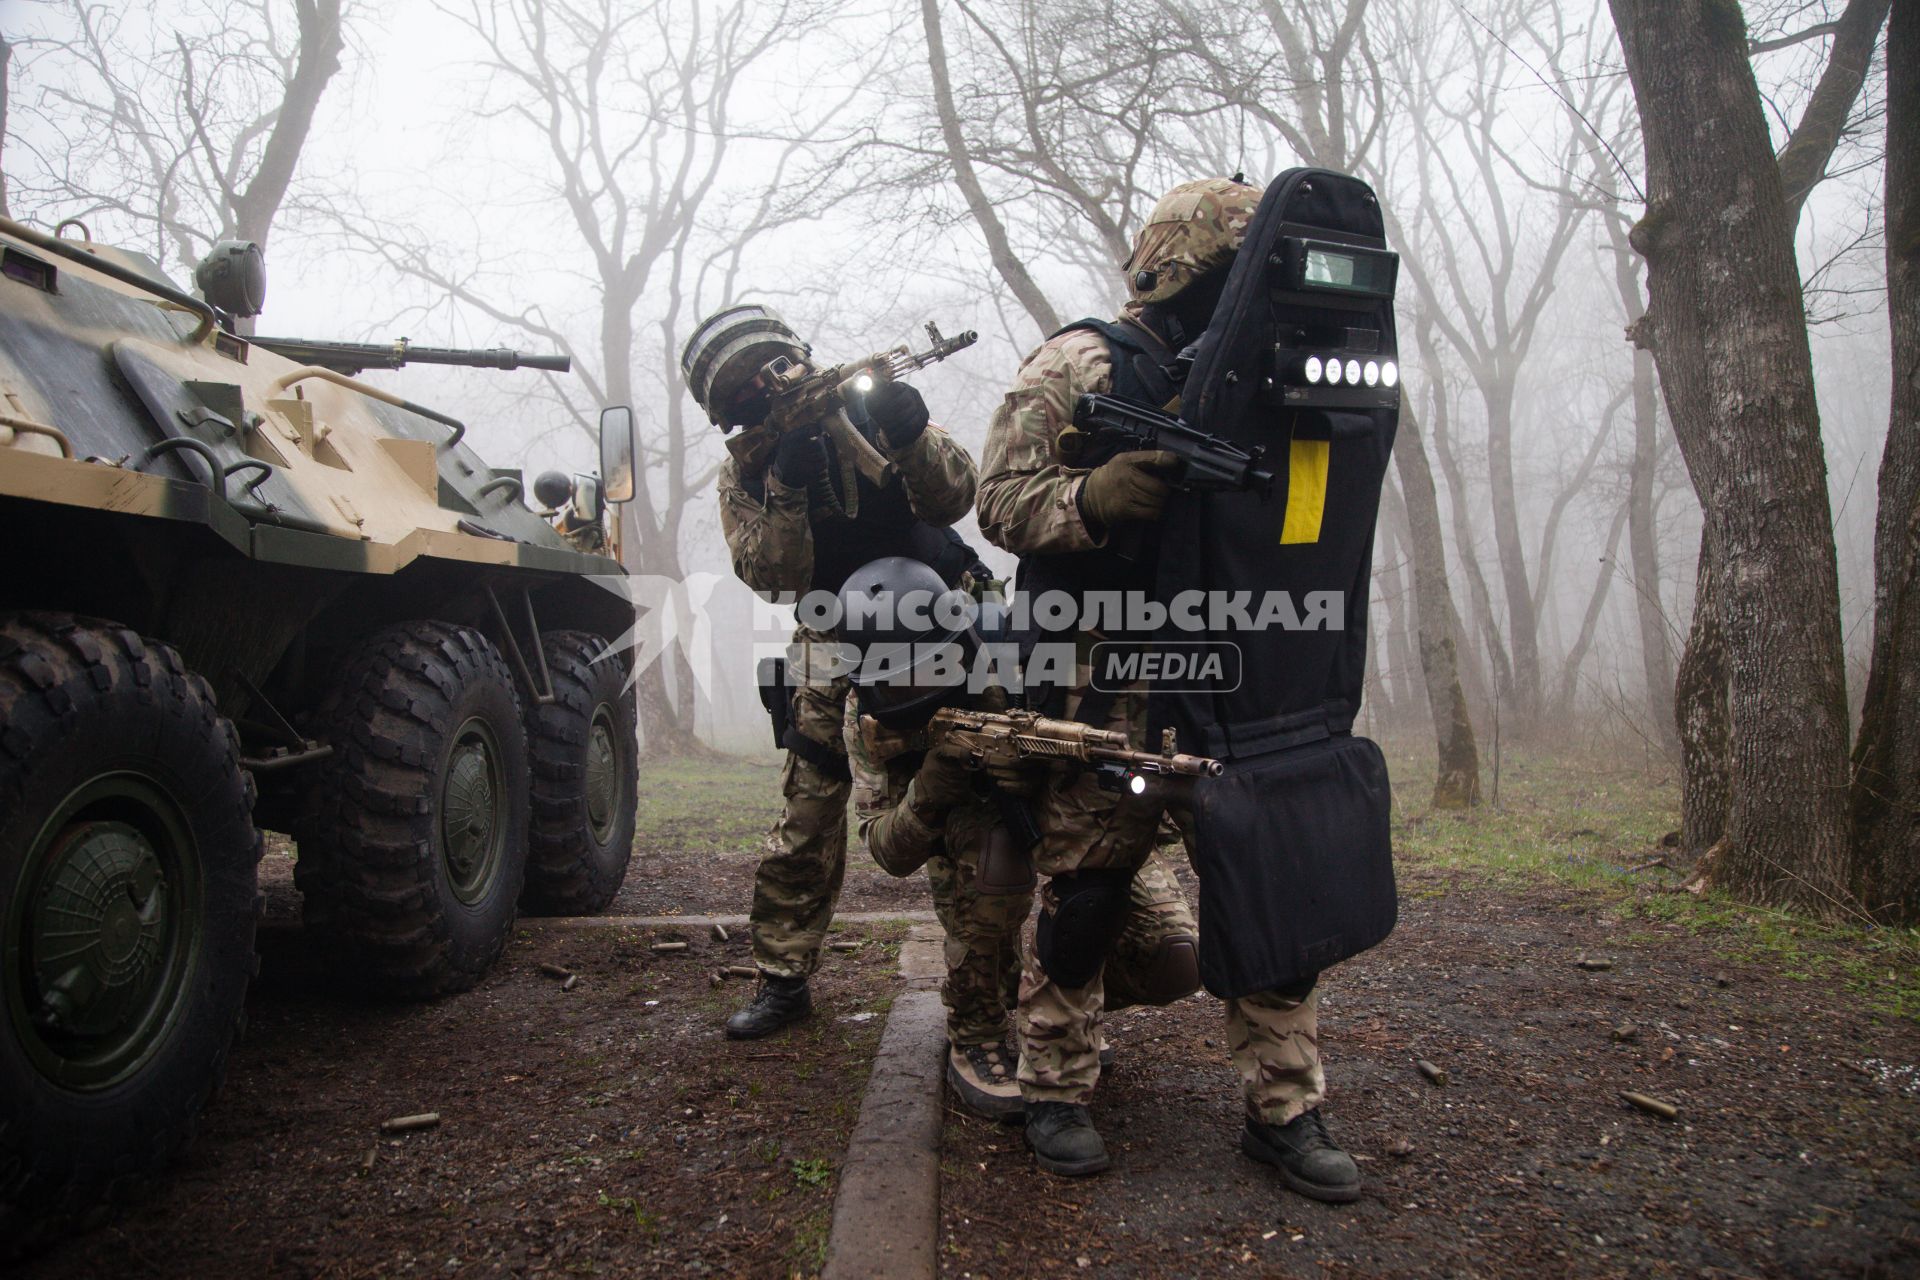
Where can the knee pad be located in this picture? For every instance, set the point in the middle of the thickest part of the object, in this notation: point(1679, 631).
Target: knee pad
point(1174, 971)
point(1090, 909)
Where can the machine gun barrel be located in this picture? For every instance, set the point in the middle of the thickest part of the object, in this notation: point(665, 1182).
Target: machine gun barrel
point(1106, 425)
point(352, 357)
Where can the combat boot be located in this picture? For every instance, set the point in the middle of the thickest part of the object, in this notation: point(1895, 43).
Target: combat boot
point(1064, 1140)
point(1307, 1158)
point(778, 1003)
point(983, 1077)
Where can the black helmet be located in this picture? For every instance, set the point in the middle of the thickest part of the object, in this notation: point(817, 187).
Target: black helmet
point(915, 637)
point(727, 352)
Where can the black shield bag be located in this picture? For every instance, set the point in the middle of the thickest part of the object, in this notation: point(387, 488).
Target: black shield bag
point(1292, 845)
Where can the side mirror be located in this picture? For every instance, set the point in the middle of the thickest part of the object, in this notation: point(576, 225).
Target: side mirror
point(586, 498)
point(617, 449)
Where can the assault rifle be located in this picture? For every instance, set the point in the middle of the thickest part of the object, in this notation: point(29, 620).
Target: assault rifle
point(1106, 425)
point(800, 395)
point(352, 357)
point(1009, 738)
point(1004, 738)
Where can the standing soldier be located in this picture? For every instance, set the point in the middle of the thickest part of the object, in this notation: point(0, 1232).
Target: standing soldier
point(799, 516)
point(919, 804)
point(1081, 530)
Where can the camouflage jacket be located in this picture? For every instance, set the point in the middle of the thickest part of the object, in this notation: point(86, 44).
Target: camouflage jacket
point(897, 827)
point(771, 541)
point(1029, 501)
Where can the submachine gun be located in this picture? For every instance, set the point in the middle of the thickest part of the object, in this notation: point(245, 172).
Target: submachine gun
point(353, 357)
point(1106, 425)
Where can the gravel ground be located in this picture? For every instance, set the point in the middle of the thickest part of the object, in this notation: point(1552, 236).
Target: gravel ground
point(1796, 1151)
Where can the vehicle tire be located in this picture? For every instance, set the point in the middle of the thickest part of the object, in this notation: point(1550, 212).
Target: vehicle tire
point(413, 847)
point(128, 896)
point(584, 782)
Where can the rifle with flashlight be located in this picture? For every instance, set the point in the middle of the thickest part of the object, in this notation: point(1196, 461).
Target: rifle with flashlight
point(1006, 740)
point(800, 395)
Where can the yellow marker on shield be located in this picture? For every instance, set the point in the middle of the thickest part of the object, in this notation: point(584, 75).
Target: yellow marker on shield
point(1306, 491)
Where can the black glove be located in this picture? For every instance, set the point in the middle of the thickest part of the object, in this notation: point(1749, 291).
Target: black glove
point(898, 411)
point(800, 457)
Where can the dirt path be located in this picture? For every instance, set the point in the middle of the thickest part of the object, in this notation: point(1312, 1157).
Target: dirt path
point(610, 1130)
point(1796, 1151)
point(603, 1130)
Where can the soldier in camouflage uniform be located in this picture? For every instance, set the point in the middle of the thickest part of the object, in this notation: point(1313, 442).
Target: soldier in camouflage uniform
point(983, 929)
point(796, 519)
point(918, 807)
point(1057, 518)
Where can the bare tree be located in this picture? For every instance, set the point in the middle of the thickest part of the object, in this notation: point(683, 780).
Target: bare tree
point(1727, 325)
point(633, 109)
point(1885, 814)
point(1490, 266)
point(195, 134)
point(6, 80)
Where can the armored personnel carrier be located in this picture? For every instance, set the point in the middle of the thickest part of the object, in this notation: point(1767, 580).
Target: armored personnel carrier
point(247, 591)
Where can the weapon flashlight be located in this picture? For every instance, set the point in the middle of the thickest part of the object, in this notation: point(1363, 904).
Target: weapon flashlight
point(863, 383)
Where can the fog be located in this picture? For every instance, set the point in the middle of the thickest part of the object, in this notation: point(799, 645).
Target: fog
point(597, 177)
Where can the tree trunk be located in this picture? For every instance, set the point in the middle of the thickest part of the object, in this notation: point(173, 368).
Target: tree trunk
point(1727, 326)
point(1700, 710)
point(1589, 622)
point(1643, 540)
point(1523, 631)
point(999, 248)
point(1643, 547)
point(321, 44)
point(1397, 620)
point(1456, 783)
point(1886, 760)
point(6, 75)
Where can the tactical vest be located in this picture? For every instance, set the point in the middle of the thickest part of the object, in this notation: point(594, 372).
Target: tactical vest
point(1143, 371)
point(886, 526)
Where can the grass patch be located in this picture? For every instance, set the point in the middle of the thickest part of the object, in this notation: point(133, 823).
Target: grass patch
point(813, 1173)
point(708, 806)
point(1589, 824)
point(808, 1252)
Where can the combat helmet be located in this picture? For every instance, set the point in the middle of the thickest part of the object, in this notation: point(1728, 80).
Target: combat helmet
point(1194, 228)
point(727, 352)
point(915, 637)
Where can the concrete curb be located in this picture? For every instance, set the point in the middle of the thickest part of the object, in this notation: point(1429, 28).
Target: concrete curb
point(886, 1214)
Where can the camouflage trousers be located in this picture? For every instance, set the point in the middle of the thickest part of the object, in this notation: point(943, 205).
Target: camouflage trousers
point(1273, 1036)
point(983, 941)
point(804, 858)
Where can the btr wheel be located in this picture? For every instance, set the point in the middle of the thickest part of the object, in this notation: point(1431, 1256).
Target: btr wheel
point(127, 904)
point(414, 847)
point(584, 781)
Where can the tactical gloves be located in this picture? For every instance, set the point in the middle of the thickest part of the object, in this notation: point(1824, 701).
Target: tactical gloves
point(944, 780)
point(800, 457)
point(899, 412)
point(1129, 486)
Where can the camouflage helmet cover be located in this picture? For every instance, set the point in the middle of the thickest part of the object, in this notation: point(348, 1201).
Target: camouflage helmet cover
point(1194, 228)
point(728, 348)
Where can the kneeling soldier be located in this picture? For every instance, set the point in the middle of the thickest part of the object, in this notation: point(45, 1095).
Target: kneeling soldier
point(920, 800)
